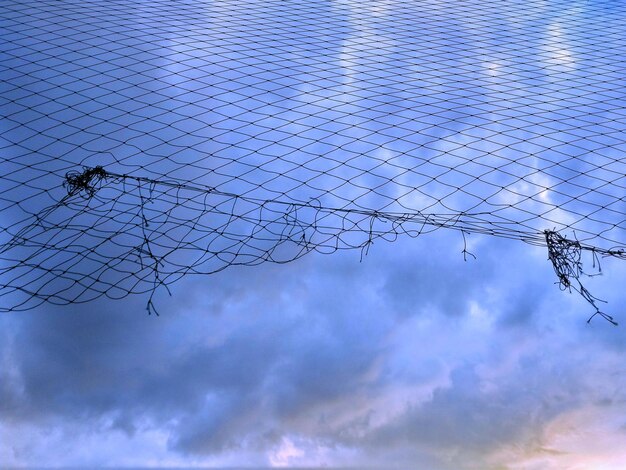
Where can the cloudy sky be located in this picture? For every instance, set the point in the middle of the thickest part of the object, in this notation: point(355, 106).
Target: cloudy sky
point(412, 356)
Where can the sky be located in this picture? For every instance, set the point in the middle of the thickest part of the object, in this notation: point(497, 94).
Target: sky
point(410, 358)
point(413, 354)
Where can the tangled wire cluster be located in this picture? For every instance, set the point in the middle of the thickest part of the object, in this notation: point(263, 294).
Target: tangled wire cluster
point(566, 258)
point(85, 182)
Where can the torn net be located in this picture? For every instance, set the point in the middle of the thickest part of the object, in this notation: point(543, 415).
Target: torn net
point(142, 141)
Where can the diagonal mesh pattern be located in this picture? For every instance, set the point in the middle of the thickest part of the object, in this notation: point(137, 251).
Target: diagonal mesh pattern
point(145, 140)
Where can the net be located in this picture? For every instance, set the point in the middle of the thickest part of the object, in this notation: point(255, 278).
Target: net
point(146, 140)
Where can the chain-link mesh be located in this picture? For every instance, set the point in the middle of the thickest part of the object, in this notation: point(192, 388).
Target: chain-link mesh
point(145, 140)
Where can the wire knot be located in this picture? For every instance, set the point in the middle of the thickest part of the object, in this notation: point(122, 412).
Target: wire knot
point(85, 182)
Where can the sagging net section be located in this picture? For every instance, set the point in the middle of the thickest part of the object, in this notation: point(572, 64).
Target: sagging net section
point(144, 140)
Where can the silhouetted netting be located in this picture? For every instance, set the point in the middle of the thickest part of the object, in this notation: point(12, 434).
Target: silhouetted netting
point(145, 140)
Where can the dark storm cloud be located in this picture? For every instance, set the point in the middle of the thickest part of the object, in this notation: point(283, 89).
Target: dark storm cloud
point(238, 361)
point(286, 346)
point(325, 341)
point(278, 354)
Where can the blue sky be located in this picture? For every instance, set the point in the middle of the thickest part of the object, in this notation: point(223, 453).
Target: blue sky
point(411, 356)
